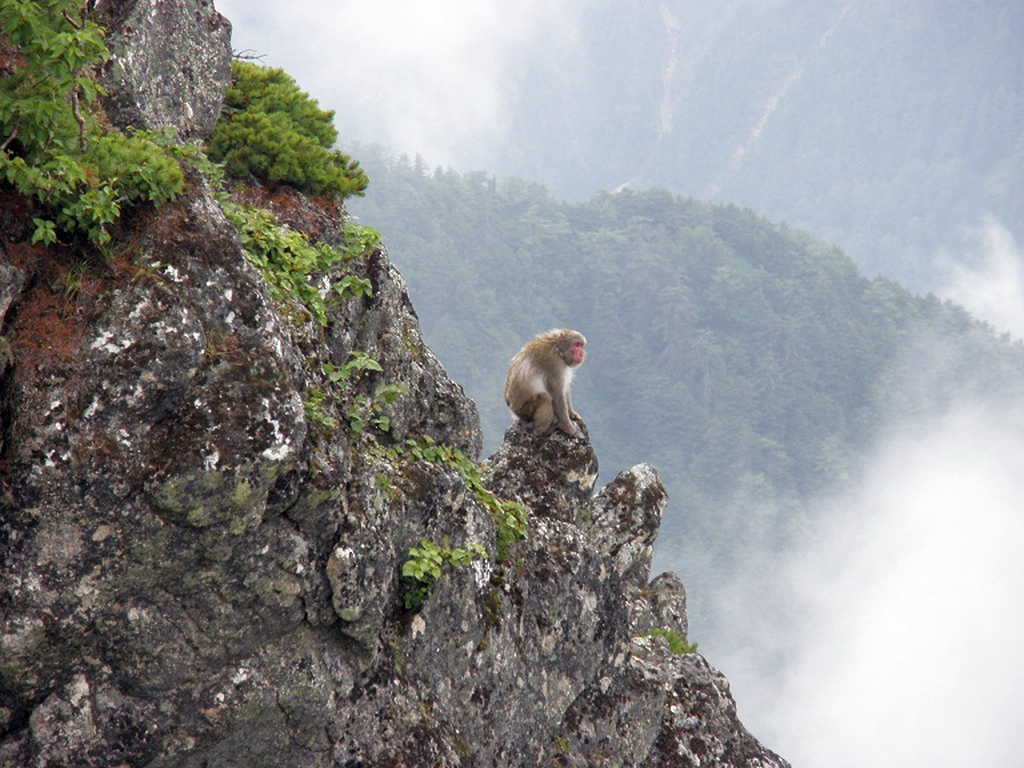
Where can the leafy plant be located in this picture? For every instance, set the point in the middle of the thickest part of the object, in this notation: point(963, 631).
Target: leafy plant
point(360, 240)
point(510, 516)
point(360, 410)
point(272, 130)
point(369, 410)
point(677, 643)
point(426, 563)
point(353, 285)
point(54, 148)
point(358, 362)
point(315, 414)
point(294, 268)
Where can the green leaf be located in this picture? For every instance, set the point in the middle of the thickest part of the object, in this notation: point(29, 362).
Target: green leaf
point(45, 231)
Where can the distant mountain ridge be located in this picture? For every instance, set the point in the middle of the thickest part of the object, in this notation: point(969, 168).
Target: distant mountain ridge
point(883, 127)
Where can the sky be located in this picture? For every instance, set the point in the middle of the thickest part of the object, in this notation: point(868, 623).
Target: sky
point(416, 77)
point(892, 636)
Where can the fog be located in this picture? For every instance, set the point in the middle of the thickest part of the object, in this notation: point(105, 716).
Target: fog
point(902, 644)
point(892, 635)
point(421, 78)
point(986, 275)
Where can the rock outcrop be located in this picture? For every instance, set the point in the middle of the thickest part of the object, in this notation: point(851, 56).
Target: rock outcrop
point(201, 562)
point(193, 575)
point(169, 66)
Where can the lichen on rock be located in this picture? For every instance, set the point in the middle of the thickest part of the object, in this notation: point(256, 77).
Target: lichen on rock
point(170, 64)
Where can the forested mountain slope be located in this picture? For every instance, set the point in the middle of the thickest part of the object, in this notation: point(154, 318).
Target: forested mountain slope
point(867, 123)
point(754, 363)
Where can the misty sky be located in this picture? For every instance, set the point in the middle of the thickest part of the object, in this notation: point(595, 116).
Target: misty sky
point(895, 635)
point(986, 275)
point(416, 77)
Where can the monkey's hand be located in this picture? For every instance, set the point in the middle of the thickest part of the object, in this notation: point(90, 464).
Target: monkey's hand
point(570, 428)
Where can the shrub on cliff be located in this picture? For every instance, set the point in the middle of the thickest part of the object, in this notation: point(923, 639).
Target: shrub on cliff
point(272, 130)
point(53, 147)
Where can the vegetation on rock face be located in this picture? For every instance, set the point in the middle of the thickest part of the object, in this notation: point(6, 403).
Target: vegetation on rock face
point(428, 560)
point(272, 130)
point(293, 266)
point(360, 410)
point(509, 516)
point(677, 643)
point(55, 146)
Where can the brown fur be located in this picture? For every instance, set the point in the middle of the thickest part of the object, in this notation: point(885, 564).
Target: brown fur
point(537, 384)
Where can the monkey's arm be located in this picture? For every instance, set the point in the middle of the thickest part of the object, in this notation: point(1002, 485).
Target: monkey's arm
point(564, 413)
point(572, 411)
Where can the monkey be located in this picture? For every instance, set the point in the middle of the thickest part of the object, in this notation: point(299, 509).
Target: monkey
point(537, 384)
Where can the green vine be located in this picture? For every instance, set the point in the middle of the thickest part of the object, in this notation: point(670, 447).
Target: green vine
point(510, 516)
point(364, 410)
point(677, 643)
point(426, 563)
point(314, 404)
point(361, 411)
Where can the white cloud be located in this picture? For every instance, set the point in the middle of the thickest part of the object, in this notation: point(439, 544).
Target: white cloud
point(893, 634)
point(906, 646)
point(987, 277)
point(423, 78)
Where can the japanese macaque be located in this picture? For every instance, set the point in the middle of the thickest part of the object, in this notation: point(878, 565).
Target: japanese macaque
point(537, 384)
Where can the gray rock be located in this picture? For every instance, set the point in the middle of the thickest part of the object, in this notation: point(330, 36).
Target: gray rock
point(626, 519)
point(552, 475)
point(196, 575)
point(170, 64)
point(661, 711)
point(12, 280)
point(11, 283)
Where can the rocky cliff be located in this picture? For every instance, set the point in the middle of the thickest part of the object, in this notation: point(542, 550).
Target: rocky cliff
point(204, 540)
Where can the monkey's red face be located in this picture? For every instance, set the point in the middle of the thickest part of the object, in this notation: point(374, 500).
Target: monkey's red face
point(577, 352)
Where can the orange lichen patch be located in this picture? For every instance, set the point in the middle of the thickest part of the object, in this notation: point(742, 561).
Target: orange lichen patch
point(47, 321)
point(95, 448)
point(45, 328)
point(309, 215)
